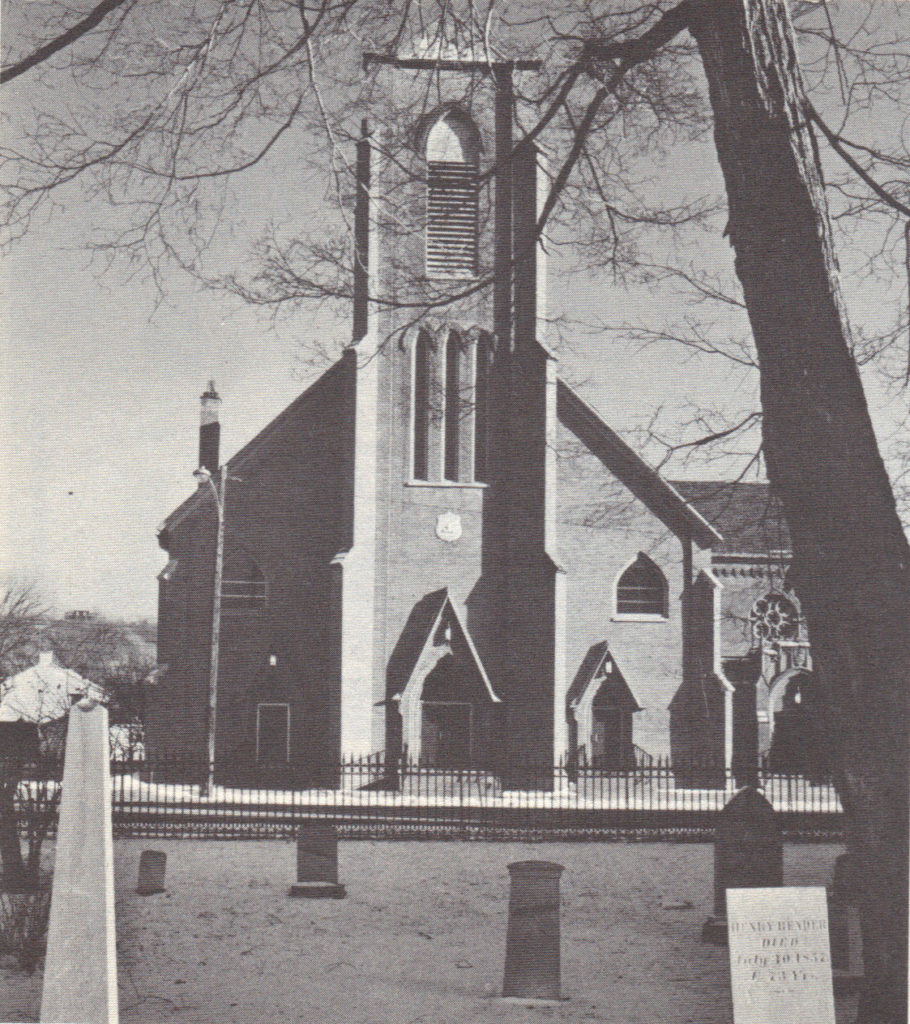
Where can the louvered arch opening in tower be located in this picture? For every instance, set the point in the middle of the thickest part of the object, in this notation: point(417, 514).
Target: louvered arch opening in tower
point(452, 150)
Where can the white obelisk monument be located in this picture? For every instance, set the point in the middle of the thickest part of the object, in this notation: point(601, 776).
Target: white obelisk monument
point(80, 969)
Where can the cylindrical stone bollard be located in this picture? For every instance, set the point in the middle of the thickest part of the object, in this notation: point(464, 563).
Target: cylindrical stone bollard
point(152, 864)
point(532, 938)
point(317, 862)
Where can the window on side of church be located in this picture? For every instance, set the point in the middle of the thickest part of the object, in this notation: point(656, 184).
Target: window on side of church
point(453, 407)
point(243, 585)
point(452, 197)
point(774, 617)
point(641, 590)
point(482, 364)
point(273, 733)
point(423, 351)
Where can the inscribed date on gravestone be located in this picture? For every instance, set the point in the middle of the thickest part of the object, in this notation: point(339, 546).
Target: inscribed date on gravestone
point(780, 956)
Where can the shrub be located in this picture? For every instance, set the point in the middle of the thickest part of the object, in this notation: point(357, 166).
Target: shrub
point(23, 926)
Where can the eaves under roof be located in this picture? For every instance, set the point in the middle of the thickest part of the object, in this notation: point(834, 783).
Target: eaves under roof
point(749, 517)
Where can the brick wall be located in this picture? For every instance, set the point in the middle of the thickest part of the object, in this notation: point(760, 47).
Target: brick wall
point(287, 512)
point(602, 529)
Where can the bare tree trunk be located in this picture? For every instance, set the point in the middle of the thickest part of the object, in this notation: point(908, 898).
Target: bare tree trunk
point(850, 554)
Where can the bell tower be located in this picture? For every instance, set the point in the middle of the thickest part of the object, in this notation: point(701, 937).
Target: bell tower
point(448, 310)
point(435, 190)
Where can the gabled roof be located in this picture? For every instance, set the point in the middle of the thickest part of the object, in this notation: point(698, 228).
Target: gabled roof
point(749, 517)
point(256, 449)
point(630, 469)
point(419, 634)
point(43, 692)
point(599, 664)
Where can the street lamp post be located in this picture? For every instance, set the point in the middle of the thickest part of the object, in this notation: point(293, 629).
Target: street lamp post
point(203, 475)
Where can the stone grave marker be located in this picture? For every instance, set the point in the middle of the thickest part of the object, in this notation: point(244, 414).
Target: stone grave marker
point(780, 960)
point(532, 968)
point(152, 864)
point(846, 935)
point(748, 853)
point(80, 968)
point(317, 862)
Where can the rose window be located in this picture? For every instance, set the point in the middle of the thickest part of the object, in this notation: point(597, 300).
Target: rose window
point(774, 617)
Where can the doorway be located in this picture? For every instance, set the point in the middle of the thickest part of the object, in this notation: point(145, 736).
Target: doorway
point(447, 734)
point(797, 744)
point(611, 738)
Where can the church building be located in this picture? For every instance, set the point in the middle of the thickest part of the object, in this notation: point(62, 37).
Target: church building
point(440, 551)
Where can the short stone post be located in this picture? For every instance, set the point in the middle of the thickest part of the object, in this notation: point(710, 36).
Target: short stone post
point(152, 864)
point(532, 940)
point(317, 862)
point(844, 927)
point(748, 854)
point(80, 968)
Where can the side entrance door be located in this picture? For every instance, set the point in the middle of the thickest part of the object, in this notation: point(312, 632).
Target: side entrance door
point(446, 734)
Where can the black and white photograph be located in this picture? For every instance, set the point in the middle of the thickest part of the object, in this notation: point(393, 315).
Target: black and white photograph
point(454, 494)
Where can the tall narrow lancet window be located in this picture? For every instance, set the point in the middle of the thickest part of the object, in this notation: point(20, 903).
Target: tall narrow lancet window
point(452, 150)
point(483, 360)
point(423, 351)
point(453, 407)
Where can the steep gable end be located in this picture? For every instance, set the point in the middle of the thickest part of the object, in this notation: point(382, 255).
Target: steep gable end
point(267, 441)
point(433, 627)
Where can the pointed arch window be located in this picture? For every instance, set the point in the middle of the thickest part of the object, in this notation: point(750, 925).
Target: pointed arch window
point(423, 352)
point(453, 407)
point(482, 366)
point(641, 590)
point(452, 150)
point(243, 585)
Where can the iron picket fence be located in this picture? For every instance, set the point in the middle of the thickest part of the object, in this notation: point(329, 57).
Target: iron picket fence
point(373, 797)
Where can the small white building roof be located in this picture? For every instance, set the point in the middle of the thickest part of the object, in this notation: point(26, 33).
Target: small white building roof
point(43, 693)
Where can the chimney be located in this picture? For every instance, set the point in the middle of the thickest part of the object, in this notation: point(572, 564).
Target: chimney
point(209, 428)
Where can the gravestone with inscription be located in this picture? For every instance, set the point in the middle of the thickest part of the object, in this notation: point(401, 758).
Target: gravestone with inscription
point(317, 862)
point(532, 939)
point(152, 864)
point(780, 959)
point(846, 935)
point(748, 852)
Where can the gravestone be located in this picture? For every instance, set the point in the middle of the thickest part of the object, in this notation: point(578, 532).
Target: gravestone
point(780, 960)
point(748, 853)
point(152, 864)
point(317, 862)
point(532, 968)
point(846, 934)
point(80, 968)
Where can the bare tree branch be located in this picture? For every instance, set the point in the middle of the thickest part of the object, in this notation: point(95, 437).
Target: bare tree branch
point(60, 42)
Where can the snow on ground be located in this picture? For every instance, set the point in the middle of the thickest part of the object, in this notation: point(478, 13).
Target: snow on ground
point(420, 938)
point(593, 794)
point(131, 792)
